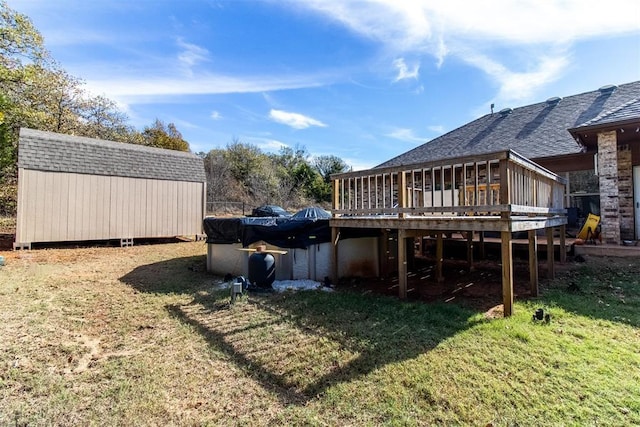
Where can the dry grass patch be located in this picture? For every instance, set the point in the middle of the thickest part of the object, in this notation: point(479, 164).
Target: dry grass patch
point(82, 346)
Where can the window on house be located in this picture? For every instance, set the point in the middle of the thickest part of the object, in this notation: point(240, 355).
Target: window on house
point(584, 195)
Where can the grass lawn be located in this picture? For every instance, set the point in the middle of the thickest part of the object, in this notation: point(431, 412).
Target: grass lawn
point(143, 336)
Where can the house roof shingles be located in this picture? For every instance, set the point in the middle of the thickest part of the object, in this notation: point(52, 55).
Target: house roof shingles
point(623, 113)
point(534, 131)
point(54, 152)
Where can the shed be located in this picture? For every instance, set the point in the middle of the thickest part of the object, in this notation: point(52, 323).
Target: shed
point(80, 189)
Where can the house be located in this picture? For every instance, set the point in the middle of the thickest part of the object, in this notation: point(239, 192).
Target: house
point(516, 170)
point(80, 189)
point(591, 139)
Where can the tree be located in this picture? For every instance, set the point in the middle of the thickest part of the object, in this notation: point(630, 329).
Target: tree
point(101, 118)
point(326, 166)
point(21, 45)
point(20, 42)
point(164, 136)
point(243, 159)
point(294, 174)
point(221, 184)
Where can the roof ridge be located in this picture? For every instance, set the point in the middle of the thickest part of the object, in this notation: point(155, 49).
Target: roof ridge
point(568, 97)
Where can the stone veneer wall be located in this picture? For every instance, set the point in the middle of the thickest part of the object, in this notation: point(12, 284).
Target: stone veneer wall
point(625, 193)
point(609, 192)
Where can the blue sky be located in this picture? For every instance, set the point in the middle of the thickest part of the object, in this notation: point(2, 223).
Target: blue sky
point(362, 80)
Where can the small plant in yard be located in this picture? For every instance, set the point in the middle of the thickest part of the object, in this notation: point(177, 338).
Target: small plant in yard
point(145, 336)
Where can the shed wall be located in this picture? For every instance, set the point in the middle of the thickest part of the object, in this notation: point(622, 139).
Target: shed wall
point(62, 206)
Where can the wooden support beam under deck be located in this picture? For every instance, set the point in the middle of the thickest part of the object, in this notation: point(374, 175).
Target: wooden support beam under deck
point(550, 254)
point(563, 243)
point(470, 250)
point(439, 256)
point(507, 274)
point(335, 236)
point(402, 263)
point(533, 262)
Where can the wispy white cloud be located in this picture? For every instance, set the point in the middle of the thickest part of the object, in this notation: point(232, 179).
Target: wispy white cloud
point(358, 164)
point(436, 128)
point(150, 88)
point(191, 54)
point(412, 24)
point(404, 134)
point(405, 71)
point(532, 28)
point(271, 146)
point(520, 85)
point(215, 115)
point(265, 144)
point(294, 120)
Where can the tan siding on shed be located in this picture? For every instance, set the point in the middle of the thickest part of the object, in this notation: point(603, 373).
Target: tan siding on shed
point(61, 206)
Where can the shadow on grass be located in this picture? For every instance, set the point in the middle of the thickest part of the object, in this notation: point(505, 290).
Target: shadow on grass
point(178, 275)
point(601, 288)
point(300, 345)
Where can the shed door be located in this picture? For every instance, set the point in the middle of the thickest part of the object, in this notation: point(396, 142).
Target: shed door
point(636, 198)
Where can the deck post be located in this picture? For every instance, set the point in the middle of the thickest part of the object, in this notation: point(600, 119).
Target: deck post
point(507, 273)
point(402, 192)
point(470, 250)
point(439, 256)
point(550, 253)
point(563, 243)
point(402, 263)
point(481, 243)
point(335, 236)
point(533, 262)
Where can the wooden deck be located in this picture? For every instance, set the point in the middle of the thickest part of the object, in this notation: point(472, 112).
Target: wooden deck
point(498, 192)
point(452, 223)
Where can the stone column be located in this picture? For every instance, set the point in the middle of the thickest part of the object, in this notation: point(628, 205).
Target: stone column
point(625, 194)
point(608, 174)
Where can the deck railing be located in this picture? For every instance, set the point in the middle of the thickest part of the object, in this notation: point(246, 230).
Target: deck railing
point(490, 184)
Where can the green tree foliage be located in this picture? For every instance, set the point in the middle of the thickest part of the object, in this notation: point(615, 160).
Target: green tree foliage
point(293, 173)
point(326, 166)
point(164, 136)
point(21, 50)
point(243, 173)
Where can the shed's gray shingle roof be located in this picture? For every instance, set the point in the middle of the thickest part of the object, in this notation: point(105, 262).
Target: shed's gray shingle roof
point(54, 152)
point(535, 131)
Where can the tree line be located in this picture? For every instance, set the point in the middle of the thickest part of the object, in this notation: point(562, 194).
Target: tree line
point(292, 178)
point(36, 92)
